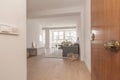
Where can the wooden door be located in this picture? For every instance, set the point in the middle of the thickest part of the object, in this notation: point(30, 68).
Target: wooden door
point(105, 26)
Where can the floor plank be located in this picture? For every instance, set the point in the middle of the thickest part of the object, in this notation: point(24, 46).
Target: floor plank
point(56, 69)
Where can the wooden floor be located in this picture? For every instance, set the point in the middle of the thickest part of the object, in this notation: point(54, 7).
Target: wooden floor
point(56, 69)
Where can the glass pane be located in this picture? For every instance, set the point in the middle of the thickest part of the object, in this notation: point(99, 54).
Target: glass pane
point(40, 38)
point(43, 37)
point(67, 34)
point(60, 37)
point(55, 33)
point(59, 41)
point(55, 41)
point(73, 33)
point(66, 37)
point(55, 37)
point(60, 33)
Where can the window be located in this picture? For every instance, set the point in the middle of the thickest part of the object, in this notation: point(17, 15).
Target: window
point(70, 36)
point(58, 36)
point(42, 38)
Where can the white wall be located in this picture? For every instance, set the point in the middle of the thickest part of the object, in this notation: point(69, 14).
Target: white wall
point(13, 48)
point(87, 33)
point(33, 33)
point(82, 35)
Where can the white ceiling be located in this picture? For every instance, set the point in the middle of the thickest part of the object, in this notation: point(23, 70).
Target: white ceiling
point(38, 5)
point(54, 13)
point(56, 21)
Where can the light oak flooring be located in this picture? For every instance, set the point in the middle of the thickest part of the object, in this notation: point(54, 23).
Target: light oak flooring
point(56, 69)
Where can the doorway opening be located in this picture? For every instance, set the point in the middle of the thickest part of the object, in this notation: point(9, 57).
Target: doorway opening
point(53, 40)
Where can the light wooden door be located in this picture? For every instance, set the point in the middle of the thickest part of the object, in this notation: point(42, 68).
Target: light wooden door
point(105, 26)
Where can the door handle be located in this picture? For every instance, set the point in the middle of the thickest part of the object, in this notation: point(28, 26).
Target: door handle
point(112, 46)
point(92, 37)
